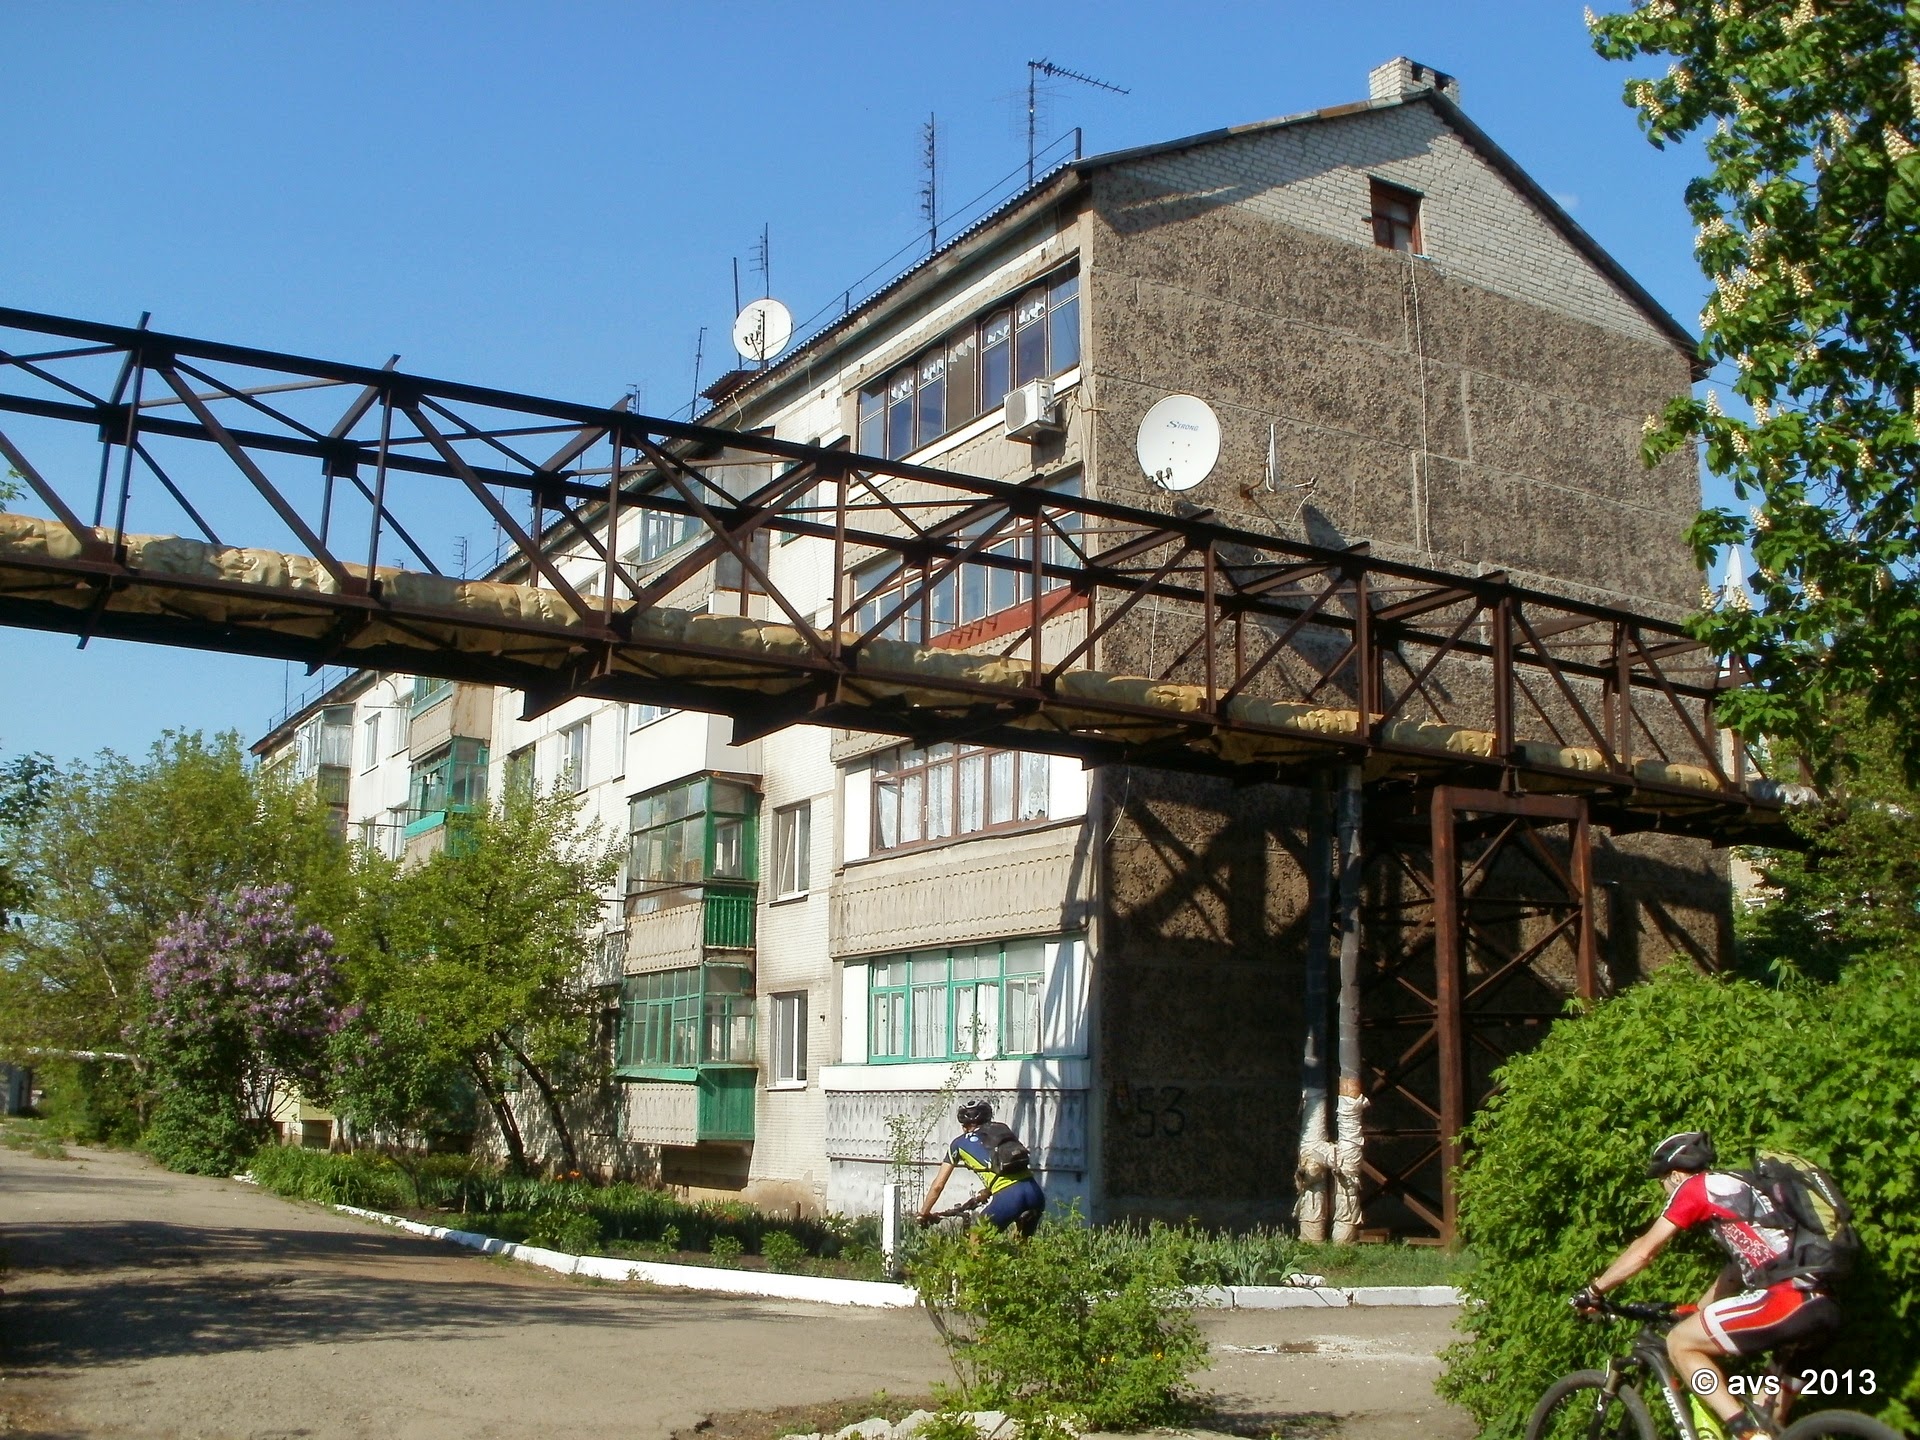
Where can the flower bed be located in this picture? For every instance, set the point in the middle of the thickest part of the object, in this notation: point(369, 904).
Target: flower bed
point(621, 1220)
point(633, 1222)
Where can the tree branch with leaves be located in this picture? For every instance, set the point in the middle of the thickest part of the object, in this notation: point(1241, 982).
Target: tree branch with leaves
point(485, 966)
point(1809, 229)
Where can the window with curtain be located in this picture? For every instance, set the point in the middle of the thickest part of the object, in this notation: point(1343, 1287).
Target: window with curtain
point(968, 371)
point(960, 1003)
point(924, 795)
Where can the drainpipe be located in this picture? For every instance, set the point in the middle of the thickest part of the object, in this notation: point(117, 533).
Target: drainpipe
point(1314, 1165)
point(1347, 1132)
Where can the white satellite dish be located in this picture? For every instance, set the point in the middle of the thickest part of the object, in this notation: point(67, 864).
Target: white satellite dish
point(1179, 442)
point(762, 330)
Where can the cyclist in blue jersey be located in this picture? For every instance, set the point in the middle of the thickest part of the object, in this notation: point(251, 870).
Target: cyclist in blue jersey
point(987, 1149)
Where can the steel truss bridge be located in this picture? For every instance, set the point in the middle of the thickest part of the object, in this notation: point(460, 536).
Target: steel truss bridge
point(218, 497)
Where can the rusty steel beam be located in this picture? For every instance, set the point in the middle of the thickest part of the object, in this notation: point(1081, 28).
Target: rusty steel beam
point(1392, 628)
point(1450, 966)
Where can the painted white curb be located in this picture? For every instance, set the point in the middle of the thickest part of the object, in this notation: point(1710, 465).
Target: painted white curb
point(1405, 1295)
point(1322, 1297)
point(682, 1277)
point(873, 1293)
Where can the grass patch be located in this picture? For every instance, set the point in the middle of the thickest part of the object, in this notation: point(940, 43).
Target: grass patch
point(32, 1137)
point(1392, 1264)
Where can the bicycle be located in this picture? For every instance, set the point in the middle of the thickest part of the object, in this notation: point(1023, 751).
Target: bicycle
point(1607, 1405)
point(953, 1331)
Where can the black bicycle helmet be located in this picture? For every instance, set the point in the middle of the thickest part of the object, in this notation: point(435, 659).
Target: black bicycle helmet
point(1690, 1150)
point(974, 1112)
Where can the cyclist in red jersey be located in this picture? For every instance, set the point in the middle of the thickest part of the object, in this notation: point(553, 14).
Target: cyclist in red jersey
point(1746, 1309)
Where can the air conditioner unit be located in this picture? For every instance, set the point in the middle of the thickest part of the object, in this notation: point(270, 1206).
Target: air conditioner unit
point(1031, 413)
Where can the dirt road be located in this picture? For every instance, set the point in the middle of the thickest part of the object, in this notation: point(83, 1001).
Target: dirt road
point(142, 1303)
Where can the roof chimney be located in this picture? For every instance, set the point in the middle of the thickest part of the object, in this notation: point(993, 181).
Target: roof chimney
point(1401, 76)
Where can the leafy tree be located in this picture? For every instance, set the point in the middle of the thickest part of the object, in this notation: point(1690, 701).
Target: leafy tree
point(484, 961)
point(391, 1076)
point(1806, 222)
point(244, 998)
point(116, 851)
point(1554, 1183)
point(23, 789)
point(1854, 890)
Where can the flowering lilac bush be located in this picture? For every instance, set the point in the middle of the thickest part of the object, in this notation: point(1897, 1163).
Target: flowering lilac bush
point(244, 999)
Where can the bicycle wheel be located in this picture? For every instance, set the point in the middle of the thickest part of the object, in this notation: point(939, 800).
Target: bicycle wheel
point(1839, 1422)
point(1577, 1407)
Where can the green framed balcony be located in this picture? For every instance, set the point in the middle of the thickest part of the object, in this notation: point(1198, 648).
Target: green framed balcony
point(727, 921)
point(675, 1024)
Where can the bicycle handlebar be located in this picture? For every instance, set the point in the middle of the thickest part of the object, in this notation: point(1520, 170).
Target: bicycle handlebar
point(962, 1208)
point(1664, 1310)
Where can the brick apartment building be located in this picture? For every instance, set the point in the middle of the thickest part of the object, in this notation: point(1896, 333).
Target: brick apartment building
point(1407, 342)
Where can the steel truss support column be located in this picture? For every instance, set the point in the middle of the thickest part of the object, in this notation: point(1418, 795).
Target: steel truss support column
point(1484, 926)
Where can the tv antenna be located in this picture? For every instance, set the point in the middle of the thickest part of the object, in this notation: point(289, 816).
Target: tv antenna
point(699, 355)
point(762, 259)
point(930, 190)
point(1037, 68)
point(761, 328)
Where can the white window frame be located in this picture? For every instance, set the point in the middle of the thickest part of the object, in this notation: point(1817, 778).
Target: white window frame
point(576, 753)
point(787, 1057)
point(370, 756)
point(792, 840)
point(616, 714)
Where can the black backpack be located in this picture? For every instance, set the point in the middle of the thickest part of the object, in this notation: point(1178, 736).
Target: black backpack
point(1822, 1243)
point(1005, 1154)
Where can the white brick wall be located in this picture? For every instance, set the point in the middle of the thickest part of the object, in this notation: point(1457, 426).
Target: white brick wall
point(1473, 222)
point(791, 954)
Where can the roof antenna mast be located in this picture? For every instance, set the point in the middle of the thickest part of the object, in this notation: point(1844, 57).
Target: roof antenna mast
point(1037, 68)
point(763, 261)
point(930, 192)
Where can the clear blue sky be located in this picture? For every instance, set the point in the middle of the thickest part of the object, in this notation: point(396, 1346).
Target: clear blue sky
point(548, 197)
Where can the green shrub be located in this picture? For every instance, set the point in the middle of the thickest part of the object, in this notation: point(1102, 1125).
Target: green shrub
point(1200, 1257)
point(780, 1250)
point(366, 1180)
point(726, 1247)
point(1065, 1324)
point(1554, 1183)
point(1858, 1112)
point(91, 1102)
point(947, 1424)
point(571, 1231)
point(198, 1130)
point(513, 1226)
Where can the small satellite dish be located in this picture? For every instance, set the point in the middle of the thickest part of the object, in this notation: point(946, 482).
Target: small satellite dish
point(762, 330)
point(1179, 442)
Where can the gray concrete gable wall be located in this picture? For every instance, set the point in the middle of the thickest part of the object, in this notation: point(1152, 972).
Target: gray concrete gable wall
point(1474, 222)
point(1481, 409)
point(1446, 421)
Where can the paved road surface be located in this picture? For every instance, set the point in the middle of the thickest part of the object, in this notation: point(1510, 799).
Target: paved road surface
point(142, 1303)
